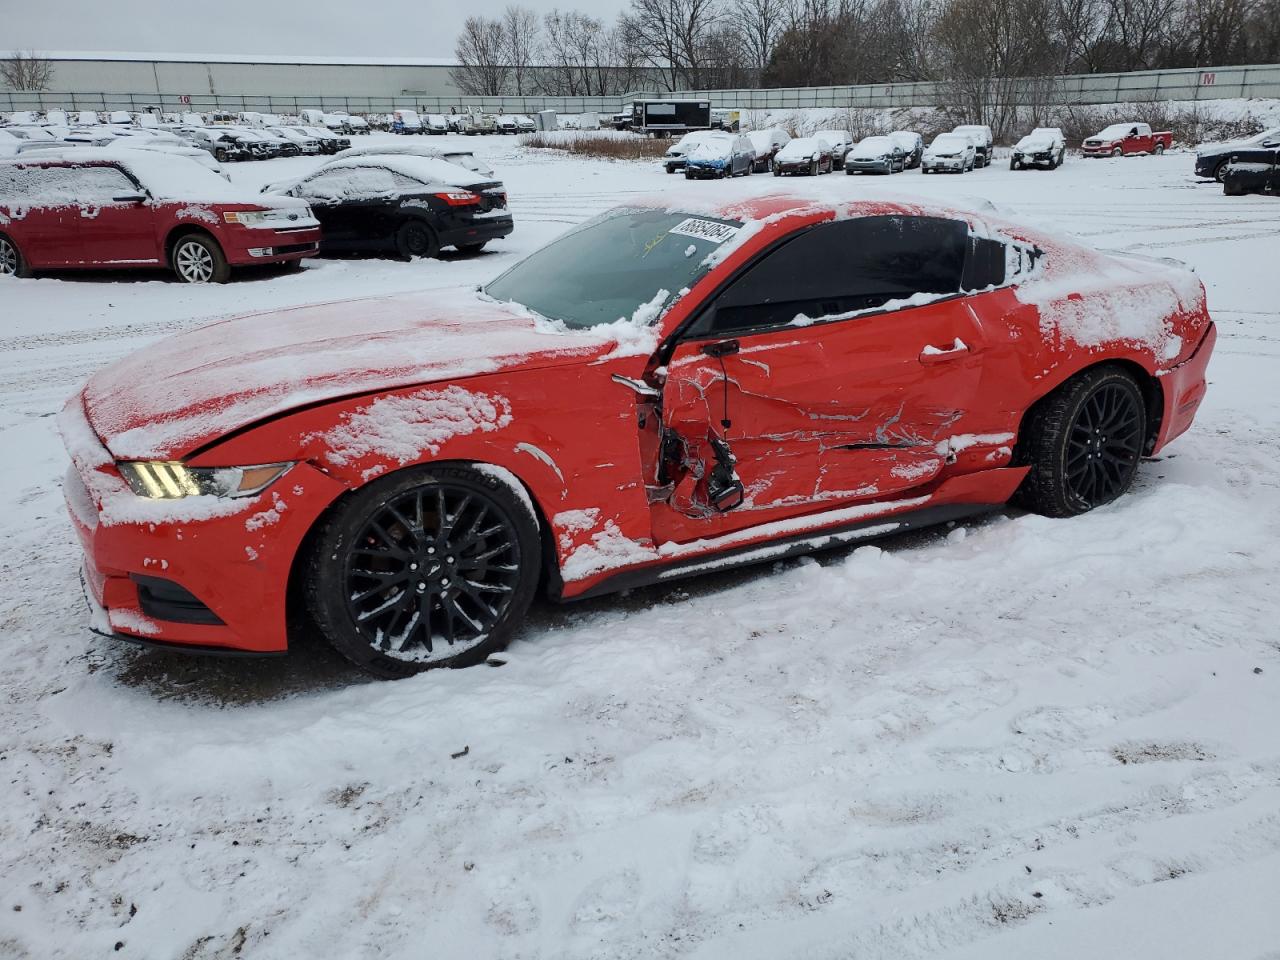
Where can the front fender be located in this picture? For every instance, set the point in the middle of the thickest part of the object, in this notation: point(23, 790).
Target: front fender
point(568, 434)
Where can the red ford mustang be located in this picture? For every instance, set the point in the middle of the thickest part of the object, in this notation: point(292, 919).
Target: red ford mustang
point(660, 391)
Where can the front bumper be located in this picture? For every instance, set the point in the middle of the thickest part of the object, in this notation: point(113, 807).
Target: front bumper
point(868, 166)
point(232, 559)
point(245, 245)
point(806, 167)
point(1099, 150)
point(1040, 156)
point(1207, 167)
point(702, 170)
point(943, 163)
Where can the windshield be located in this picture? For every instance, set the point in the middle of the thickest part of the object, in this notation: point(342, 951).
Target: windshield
point(1116, 130)
point(874, 145)
point(950, 143)
point(624, 264)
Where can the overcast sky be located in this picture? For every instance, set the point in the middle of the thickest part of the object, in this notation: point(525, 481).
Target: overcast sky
point(373, 28)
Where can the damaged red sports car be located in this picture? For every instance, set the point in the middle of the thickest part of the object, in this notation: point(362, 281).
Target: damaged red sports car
point(660, 391)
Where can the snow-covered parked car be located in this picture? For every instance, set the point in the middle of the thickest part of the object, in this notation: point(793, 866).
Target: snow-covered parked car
point(875, 155)
point(954, 152)
point(766, 144)
point(803, 155)
point(720, 155)
point(142, 209)
point(912, 145)
point(306, 144)
point(1212, 158)
point(405, 472)
point(410, 205)
point(13, 138)
point(406, 122)
point(840, 141)
point(983, 142)
point(435, 124)
point(1042, 147)
point(1127, 139)
point(1252, 171)
point(678, 152)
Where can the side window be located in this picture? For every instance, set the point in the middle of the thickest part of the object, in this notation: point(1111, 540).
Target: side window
point(986, 264)
point(841, 268)
point(102, 184)
point(406, 184)
point(351, 183)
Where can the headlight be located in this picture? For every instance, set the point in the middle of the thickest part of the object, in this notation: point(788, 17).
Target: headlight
point(165, 480)
point(253, 218)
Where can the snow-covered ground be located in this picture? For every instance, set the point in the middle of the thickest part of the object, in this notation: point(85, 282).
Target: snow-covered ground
point(1020, 737)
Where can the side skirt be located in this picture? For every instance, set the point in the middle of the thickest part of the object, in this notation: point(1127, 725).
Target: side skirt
point(785, 547)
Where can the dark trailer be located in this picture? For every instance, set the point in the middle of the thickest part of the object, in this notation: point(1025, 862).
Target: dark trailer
point(670, 116)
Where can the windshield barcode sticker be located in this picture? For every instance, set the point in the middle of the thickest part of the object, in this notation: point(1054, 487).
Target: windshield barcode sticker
point(704, 230)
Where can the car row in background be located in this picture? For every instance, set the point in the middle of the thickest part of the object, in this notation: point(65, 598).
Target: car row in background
point(151, 210)
point(467, 122)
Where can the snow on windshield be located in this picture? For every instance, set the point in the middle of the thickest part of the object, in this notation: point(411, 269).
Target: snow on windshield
point(623, 265)
point(1115, 131)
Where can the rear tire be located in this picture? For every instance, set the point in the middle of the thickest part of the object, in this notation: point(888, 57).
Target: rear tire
point(430, 567)
point(12, 263)
point(1083, 443)
point(1159, 149)
point(197, 258)
point(416, 239)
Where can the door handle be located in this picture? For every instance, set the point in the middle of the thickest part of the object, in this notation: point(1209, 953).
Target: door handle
point(956, 349)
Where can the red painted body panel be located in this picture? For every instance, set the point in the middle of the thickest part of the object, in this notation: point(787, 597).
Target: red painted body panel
point(831, 423)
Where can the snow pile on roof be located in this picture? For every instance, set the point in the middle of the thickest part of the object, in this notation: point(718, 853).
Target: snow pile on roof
point(426, 169)
point(167, 176)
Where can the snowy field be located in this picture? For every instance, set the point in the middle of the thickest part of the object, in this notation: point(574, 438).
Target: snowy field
point(1017, 738)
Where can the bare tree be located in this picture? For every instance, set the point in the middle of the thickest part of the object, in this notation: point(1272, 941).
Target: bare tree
point(760, 23)
point(522, 31)
point(481, 50)
point(26, 71)
point(673, 36)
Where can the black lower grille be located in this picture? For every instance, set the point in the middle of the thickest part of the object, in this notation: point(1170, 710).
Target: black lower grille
point(163, 599)
point(294, 248)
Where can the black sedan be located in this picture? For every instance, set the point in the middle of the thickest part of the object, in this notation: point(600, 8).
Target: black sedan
point(1252, 171)
point(1212, 159)
point(410, 205)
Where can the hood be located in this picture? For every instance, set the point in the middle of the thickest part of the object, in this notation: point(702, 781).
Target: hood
point(1035, 143)
point(871, 151)
point(189, 390)
point(712, 152)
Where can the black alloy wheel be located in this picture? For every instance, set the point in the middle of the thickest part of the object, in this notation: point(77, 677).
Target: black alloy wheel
point(1220, 171)
point(1083, 443)
point(435, 567)
point(1105, 445)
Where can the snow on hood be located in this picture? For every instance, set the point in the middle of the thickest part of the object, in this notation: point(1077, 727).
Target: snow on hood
point(873, 147)
point(191, 389)
point(1035, 141)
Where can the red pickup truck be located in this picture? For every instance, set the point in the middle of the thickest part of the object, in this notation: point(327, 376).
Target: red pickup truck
point(1125, 138)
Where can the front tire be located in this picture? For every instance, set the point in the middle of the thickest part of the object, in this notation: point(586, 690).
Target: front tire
point(198, 259)
point(1083, 443)
point(12, 263)
point(430, 567)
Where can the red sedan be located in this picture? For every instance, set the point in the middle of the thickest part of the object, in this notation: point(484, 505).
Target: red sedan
point(661, 391)
point(90, 208)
